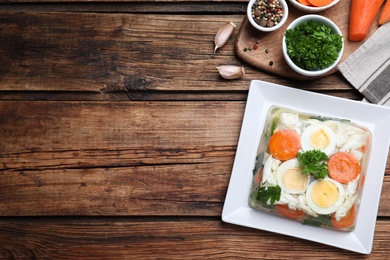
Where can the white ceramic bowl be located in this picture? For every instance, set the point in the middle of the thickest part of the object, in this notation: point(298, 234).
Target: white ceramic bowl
point(284, 5)
point(319, 19)
point(311, 9)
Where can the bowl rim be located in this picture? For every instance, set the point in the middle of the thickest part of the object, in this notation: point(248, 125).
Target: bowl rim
point(306, 8)
point(267, 29)
point(321, 19)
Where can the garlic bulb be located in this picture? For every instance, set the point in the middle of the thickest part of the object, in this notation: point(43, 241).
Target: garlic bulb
point(231, 71)
point(223, 34)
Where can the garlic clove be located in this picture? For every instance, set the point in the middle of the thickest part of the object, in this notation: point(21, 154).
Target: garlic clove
point(231, 71)
point(223, 34)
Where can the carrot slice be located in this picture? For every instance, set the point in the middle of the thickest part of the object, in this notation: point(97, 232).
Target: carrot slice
point(384, 17)
point(361, 181)
point(343, 167)
point(305, 2)
point(320, 2)
point(346, 221)
point(259, 176)
point(362, 16)
point(284, 144)
point(287, 212)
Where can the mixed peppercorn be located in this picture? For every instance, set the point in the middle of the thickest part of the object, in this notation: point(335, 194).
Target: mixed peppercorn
point(267, 13)
point(254, 47)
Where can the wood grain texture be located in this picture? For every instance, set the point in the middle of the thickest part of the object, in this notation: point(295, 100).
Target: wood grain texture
point(118, 136)
point(120, 158)
point(126, 56)
point(272, 42)
point(104, 158)
point(118, 1)
point(199, 7)
point(114, 238)
point(110, 52)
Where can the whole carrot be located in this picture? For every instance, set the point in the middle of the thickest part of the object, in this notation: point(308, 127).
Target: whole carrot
point(385, 13)
point(362, 16)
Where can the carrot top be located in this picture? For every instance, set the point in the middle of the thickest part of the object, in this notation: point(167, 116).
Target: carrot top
point(346, 221)
point(284, 144)
point(290, 213)
point(343, 167)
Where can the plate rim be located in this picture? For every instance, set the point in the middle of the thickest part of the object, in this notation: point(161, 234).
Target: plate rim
point(261, 96)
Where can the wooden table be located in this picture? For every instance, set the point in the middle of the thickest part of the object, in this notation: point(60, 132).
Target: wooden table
point(118, 135)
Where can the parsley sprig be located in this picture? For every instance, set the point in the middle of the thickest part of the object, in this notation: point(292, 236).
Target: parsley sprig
point(313, 46)
point(314, 162)
point(269, 194)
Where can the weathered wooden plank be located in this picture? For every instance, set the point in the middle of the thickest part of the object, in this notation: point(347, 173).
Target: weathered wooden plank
point(191, 189)
point(132, 95)
point(118, 1)
point(149, 96)
point(48, 127)
point(182, 186)
point(105, 238)
point(125, 53)
point(116, 158)
point(120, 158)
point(203, 7)
point(99, 52)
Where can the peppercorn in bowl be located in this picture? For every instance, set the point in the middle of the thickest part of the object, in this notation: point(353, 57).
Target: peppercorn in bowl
point(312, 45)
point(267, 15)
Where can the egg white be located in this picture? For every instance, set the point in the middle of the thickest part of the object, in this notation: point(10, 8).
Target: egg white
point(311, 132)
point(289, 121)
point(294, 165)
point(270, 165)
point(325, 210)
point(347, 205)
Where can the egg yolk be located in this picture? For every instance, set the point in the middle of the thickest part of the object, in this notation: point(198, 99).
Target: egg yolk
point(324, 193)
point(319, 139)
point(293, 179)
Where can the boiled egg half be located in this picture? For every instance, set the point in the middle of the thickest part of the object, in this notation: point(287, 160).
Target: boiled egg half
point(318, 137)
point(325, 196)
point(290, 177)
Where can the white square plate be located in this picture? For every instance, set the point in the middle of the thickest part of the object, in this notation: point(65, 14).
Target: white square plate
point(261, 96)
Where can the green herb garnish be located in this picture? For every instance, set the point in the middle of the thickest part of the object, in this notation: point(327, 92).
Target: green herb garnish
point(314, 162)
point(321, 220)
point(269, 194)
point(322, 118)
point(258, 163)
point(313, 46)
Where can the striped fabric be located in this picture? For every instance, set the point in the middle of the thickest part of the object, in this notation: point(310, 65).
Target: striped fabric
point(368, 68)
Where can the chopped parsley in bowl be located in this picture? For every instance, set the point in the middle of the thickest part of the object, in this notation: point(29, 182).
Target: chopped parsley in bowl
point(312, 45)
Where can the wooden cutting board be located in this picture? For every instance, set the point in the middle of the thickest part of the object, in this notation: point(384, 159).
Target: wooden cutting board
point(269, 57)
